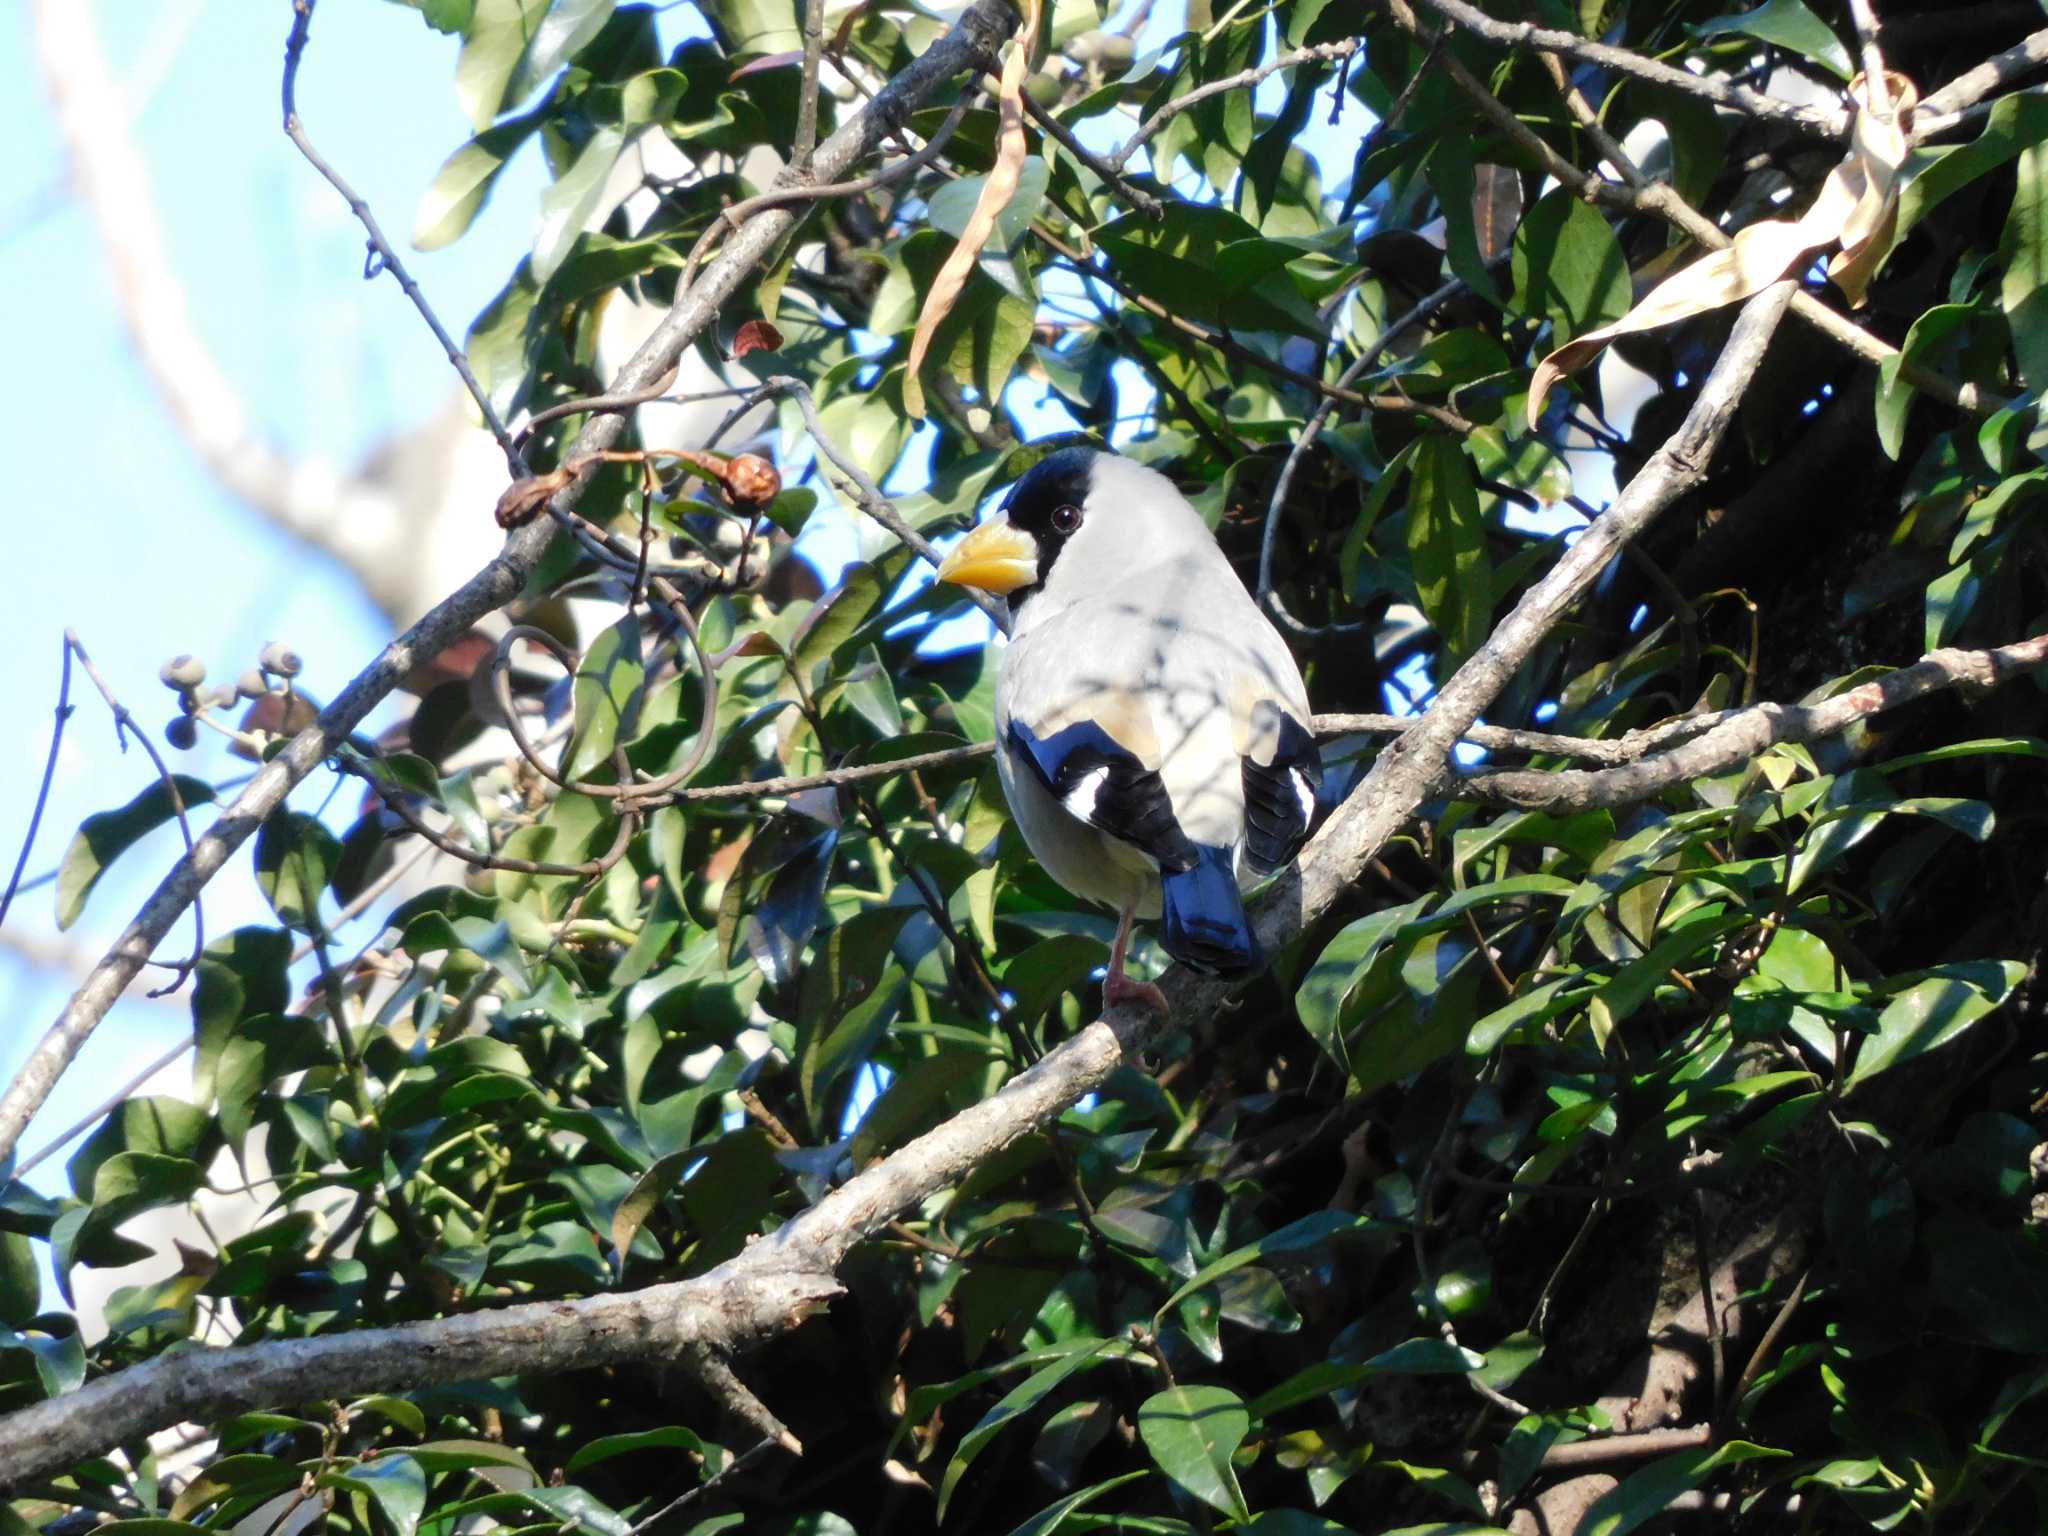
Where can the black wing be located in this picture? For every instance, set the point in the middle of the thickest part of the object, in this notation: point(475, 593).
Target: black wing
point(1105, 785)
point(1282, 799)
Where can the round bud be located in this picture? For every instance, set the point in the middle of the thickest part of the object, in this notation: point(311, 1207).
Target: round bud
point(182, 733)
point(251, 684)
point(751, 482)
point(221, 696)
point(279, 659)
point(182, 672)
point(1116, 51)
point(1044, 88)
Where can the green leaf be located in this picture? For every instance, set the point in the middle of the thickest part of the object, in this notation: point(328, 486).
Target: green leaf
point(1413, 1357)
point(1450, 170)
point(2023, 291)
point(1051, 1519)
point(1787, 24)
point(495, 42)
point(295, 856)
point(59, 1358)
point(568, 25)
point(2016, 123)
point(463, 184)
point(1569, 268)
point(608, 684)
point(1447, 543)
point(104, 837)
point(1192, 1432)
point(575, 203)
point(1320, 998)
point(1933, 1012)
point(1311, 1230)
point(1650, 1491)
point(1014, 1404)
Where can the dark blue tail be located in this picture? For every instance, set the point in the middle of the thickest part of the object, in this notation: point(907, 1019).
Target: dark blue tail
point(1205, 924)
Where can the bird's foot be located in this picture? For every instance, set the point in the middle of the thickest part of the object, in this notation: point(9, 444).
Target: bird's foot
point(1118, 989)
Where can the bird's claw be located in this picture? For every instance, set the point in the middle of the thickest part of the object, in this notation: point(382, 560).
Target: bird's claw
point(1118, 989)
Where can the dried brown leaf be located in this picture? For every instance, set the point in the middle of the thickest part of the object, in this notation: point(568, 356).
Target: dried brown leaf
point(996, 193)
point(1857, 210)
point(756, 336)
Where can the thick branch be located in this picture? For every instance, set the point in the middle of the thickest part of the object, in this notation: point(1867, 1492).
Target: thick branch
point(1994, 74)
point(1745, 734)
point(766, 1289)
point(970, 44)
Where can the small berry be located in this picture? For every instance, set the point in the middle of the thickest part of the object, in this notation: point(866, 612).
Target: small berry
point(182, 672)
point(279, 659)
point(182, 733)
point(251, 684)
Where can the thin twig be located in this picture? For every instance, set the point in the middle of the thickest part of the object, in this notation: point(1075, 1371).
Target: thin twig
point(868, 496)
point(125, 725)
point(689, 1495)
point(1876, 81)
point(1129, 191)
point(782, 197)
point(1244, 79)
point(384, 257)
point(35, 817)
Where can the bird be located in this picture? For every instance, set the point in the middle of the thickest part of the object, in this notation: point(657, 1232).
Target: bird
point(1152, 727)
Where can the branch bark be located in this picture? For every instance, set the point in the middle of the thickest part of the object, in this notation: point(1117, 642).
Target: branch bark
point(969, 45)
point(779, 1277)
point(1746, 734)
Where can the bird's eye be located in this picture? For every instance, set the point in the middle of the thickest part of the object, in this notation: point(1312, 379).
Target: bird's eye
point(1066, 519)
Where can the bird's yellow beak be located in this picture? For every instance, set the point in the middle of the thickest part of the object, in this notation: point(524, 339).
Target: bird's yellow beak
point(995, 557)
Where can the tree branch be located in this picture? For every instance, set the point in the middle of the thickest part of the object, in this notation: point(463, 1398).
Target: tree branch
point(1745, 734)
point(971, 42)
point(1722, 93)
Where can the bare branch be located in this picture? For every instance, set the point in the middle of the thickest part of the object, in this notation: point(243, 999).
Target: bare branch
point(1726, 94)
point(970, 43)
point(1994, 74)
point(1742, 735)
point(1244, 79)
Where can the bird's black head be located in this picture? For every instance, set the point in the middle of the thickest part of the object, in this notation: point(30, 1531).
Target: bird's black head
point(1050, 503)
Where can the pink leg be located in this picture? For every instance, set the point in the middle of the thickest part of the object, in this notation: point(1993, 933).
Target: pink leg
point(1117, 988)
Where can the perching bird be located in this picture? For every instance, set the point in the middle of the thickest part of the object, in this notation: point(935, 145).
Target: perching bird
point(1151, 726)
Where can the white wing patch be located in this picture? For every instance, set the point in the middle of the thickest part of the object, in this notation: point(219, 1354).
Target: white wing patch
point(1080, 800)
point(1305, 793)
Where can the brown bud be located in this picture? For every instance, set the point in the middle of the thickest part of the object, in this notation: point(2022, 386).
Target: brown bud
point(524, 500)
point(751, 482)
